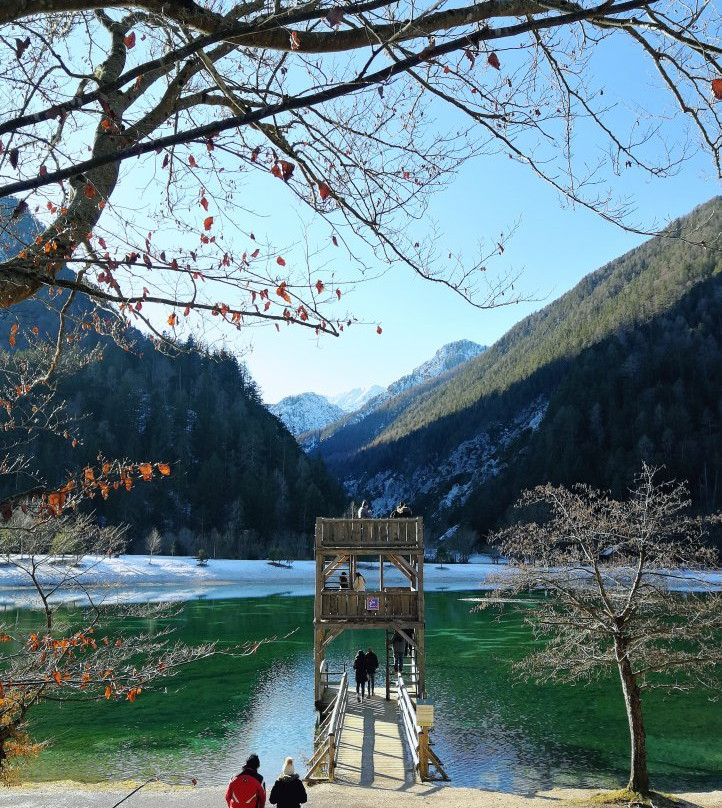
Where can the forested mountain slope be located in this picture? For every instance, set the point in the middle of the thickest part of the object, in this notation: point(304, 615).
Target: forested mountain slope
point(626, 366)
point(239, 481)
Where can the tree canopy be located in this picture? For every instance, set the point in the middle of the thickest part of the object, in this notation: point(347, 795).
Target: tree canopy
point(361, 110)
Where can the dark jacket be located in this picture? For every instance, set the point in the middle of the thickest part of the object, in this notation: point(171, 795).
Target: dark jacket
point(359, 665)
point(372, 662)
point(288, 792)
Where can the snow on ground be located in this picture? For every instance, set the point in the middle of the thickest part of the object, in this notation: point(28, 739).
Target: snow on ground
point(133, 578)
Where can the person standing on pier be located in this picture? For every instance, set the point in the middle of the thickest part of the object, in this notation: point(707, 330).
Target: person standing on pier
point(343, 581)
point(288, 791)
point(372, 665)
point(364, 512)
point(247, 788)
point(398, 644)
point(359, 666)
point(359, 582)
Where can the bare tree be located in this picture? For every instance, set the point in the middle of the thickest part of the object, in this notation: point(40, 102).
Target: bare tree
point(612, 573)
point(360, 110)
point(153, 543)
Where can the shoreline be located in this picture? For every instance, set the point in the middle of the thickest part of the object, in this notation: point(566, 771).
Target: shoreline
point(68, 794)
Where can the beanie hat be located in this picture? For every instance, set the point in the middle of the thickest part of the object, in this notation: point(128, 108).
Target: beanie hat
point(253, 761)
point(288, 769)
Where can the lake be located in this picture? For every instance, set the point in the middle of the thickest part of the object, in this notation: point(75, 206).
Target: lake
point(492, 732)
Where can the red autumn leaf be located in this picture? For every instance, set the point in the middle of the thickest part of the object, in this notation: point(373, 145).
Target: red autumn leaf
point(280, 261)
point(193, 781)
point(89, 190)
point(13, 331)
point(57, 677)
point(192, 161)
point(334, 16)
point(717, 89)
point(105, 124)
point(255, 153)
point(295, 41)
point(256, 252)
point(166, 160)
point(208, 222)
point(379, 330)
point(286, 170)
point(204, 203)
point(493, 60)
point(163, 468)
point(470, 56)
point(173, 319)
point(21, 46)
point(281, 292)
point(14, 155)
point(20, 208)
point(323, 190)
point(43, 170)
point(102, 243)
point(108, 691)
point(129, 40)
point(319, 286)
point(334, 241)
point(338, 294)
point(146, 470)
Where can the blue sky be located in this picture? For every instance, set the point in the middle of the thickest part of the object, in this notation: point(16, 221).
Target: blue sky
point(554, 245)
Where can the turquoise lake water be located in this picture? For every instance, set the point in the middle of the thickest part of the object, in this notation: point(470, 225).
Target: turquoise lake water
point(492, 731)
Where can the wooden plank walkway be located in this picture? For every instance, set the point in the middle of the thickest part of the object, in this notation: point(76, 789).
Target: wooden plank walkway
point(371, 752)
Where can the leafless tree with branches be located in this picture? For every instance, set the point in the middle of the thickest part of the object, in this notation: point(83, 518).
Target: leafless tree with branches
point(624, 589)
point(361, 110)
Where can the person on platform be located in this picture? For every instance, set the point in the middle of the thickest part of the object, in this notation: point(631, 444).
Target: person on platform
point(372, 665)
point(359, 666)
point(247, 788)
point(343, 581)
point(359, 582)
point(288, 791)
point(398, 644)
point(364, 512)
point(401, 511)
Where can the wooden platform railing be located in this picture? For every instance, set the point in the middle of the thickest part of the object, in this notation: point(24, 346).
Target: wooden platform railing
point(417, 738)
point(370, 605)
point(373, 534)
point(323, 763)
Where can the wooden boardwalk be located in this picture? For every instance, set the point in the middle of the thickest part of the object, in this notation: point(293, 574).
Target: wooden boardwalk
point(370, 750)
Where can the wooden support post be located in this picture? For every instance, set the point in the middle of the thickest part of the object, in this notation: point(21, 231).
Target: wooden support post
point(388, 667)
point(331, 756)
point(423, 754)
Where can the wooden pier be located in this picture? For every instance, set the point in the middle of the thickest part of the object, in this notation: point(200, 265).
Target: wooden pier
point(380, 742)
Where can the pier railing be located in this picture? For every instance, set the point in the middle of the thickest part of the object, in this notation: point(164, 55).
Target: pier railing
point(323, 763)
point(417, 738)
point(372, 534)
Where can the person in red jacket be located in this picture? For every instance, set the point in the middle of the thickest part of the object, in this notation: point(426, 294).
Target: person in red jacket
point(246, 789)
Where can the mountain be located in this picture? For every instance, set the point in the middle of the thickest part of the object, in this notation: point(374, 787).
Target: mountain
point(308, 415)
point(625, 367)
point(239, 480)
point(353, 400)
point(361, 427)
point(306, 412)
point(446, 358)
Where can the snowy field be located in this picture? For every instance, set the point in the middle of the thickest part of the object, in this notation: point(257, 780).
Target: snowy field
point(133, 578)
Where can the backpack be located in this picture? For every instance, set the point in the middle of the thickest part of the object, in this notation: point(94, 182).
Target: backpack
point(244, 789)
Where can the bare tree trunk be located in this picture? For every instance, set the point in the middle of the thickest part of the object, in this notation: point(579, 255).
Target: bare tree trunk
point(638, 774)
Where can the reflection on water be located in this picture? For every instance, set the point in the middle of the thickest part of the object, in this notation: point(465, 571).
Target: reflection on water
point(492, 733)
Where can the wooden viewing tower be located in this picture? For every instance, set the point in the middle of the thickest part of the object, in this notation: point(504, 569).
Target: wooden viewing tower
point(396, 543)
point(369, 743)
